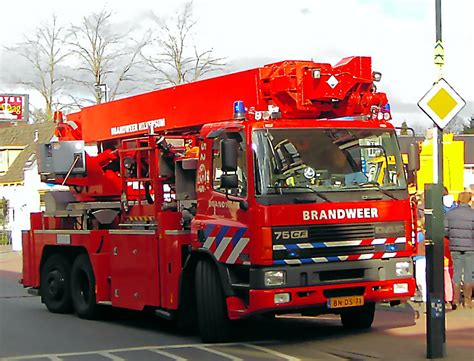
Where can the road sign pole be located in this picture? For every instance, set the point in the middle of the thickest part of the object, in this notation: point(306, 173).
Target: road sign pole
point(435, 307)
point(441, 103)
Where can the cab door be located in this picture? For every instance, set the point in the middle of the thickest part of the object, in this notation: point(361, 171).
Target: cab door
point(223, 219)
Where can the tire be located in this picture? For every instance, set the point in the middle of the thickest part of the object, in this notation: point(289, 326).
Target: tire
point(359, 318)
point(184, 322)
point(83, 288)
point(213, 322)
point(55, 284)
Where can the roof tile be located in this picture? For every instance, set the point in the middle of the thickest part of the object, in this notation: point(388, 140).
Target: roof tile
point(23, 135)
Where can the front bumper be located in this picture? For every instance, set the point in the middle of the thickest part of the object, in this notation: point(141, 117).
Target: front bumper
point(331, 273)
point(261, 301)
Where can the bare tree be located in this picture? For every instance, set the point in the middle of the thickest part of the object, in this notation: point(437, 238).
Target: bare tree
point(420, 128)
point(106, 56)
point(179, 60)
point(469, 125)
point(45, 51)
point(455, 126)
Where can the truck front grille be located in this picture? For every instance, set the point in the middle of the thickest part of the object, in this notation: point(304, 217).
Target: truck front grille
point(341, 232)
point(328, 240)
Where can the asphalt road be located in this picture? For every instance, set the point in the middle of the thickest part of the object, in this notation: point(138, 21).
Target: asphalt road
point(29, 332)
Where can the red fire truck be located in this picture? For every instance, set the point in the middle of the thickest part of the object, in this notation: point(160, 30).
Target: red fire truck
point(275, 190)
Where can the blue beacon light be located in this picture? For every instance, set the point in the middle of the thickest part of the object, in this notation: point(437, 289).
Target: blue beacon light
point(386, 112)
point(239, 109)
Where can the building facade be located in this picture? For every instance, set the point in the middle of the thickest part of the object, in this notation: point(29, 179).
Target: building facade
point(20, 183)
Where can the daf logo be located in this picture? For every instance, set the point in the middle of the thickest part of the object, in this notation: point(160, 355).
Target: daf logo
point(390, 229)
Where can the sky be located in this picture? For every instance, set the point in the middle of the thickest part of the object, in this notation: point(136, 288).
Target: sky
point(399, 35)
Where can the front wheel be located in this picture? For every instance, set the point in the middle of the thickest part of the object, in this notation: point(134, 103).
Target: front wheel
point(55, 284)
point(359, 318)
point(213, 322)
point(83, 288)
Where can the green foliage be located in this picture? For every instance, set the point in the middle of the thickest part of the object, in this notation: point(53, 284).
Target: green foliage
point(3, 210)
point(469, 128)
point(3, 221)
point(404, 130)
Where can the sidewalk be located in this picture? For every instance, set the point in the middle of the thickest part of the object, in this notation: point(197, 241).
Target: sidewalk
point(459, 325)
point(10, 261)
point(5, 248)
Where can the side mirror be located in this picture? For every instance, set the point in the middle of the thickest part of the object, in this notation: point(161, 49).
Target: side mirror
point(229, 181)
point(229, 150)
point(413, 158)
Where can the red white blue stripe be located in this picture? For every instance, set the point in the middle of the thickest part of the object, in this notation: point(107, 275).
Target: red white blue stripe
point(227, 243)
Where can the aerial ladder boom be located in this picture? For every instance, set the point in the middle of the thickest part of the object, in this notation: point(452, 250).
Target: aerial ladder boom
point(300, 89)
point(296, 89)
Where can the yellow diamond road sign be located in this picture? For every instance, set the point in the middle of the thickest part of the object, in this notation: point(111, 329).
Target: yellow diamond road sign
point(441, 103)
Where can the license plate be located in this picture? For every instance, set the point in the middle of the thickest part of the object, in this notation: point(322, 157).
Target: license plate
point(340, 302)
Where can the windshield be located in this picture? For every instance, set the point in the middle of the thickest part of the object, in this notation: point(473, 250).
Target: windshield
point(320, 160)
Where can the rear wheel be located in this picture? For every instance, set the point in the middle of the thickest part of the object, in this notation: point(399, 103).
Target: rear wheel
point(359, 318)
point(213, 322)
point(83, 288)
point(55, 284)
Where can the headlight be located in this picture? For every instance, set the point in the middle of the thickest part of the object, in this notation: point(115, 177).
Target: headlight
point(275, 278)
point(402, 269)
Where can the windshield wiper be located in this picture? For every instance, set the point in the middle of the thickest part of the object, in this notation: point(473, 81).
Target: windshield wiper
point(301, 200)
point(376, 185)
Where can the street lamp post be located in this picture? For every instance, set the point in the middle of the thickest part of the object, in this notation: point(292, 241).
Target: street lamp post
point(102, 91)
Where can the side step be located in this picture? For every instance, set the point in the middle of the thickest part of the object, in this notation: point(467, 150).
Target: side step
point(33, 291)
point(165, 314)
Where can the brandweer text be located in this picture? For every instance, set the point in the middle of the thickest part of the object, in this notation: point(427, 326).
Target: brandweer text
point(351, 213)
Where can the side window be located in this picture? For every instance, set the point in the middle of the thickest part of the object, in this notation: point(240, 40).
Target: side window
point(216, 164)
point(241, 167)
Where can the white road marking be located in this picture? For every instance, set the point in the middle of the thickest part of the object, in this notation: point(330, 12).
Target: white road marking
point(110, 356)
point(59, 356)
point(223, 354)
point(170, 355)
point(272, 352)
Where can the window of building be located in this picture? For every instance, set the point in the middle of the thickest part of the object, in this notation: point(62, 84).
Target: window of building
point(3, 161)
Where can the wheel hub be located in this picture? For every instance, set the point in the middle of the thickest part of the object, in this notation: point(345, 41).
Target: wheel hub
point(55, 283)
